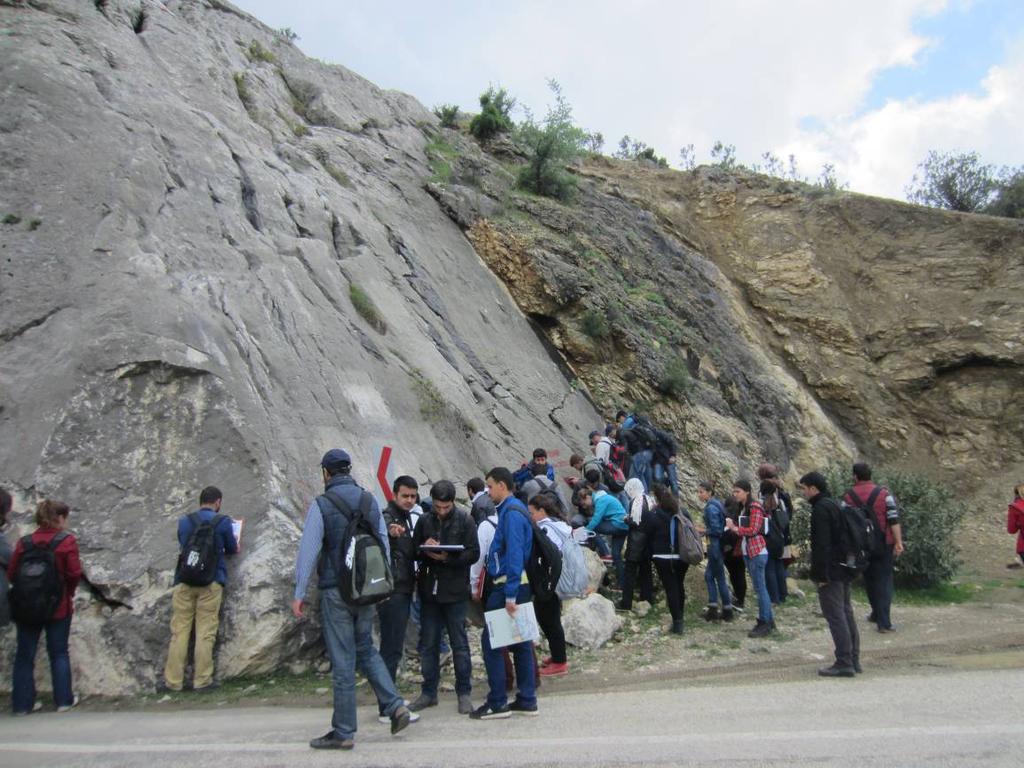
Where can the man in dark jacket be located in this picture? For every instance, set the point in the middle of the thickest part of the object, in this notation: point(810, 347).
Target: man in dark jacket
point(444, 592)
point(481, 506)
point(394, 612)
point(832, 577)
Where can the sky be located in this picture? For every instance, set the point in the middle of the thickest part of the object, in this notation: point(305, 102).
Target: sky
point(868, 86)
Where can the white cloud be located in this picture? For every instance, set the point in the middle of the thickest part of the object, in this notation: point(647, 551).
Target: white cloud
point(674, 73)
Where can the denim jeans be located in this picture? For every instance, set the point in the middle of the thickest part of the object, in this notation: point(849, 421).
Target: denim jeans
point(450, 616)
point(522, 655)
point(641, 467)
point(414, 614)
point(606, 528)
point(756, 566)
point(663, 470)
point(394, 618)
point(878, 581)
point(714, 576)
point(23, 694)
point(775, 580)
point(349, 639)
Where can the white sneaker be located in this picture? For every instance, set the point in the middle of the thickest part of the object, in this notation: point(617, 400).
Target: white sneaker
point(385, 720)
point(68, 707)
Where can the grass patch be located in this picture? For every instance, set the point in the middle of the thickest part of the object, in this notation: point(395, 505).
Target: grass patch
point(440, 155)
point(34, 224)
point(256, 52)
point(244, 94)
point(941, 594)
point(434, 408)
point(12, 219)
point(324, 158)
point(366, 308)
point(676, 381)
point(595, 325)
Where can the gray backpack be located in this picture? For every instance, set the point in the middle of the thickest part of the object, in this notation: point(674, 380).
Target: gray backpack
point(686, 542)
point(574, 579)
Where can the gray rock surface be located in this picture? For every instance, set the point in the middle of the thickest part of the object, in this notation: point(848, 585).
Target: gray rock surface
point(591, 622)
point(195, 201)
point(596, 569)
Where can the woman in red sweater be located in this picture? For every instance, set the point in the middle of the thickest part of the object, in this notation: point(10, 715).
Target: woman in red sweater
point(1015, 518)
point(51, 517)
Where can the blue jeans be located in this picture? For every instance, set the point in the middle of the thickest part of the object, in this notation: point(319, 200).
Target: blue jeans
point(522, 656)
point(394, 618)
point(714, 576)
point(660, 472)
point(641, 467)
point(349, 639)
point(618, 535)
point(414, 614)
point(775, 580)
point(451, 616)
point(23, 694)
point(756, 567)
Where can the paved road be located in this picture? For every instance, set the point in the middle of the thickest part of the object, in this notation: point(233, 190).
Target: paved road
point(948, 719)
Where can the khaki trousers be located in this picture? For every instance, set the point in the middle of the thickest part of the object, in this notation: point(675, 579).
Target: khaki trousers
point(201, 605)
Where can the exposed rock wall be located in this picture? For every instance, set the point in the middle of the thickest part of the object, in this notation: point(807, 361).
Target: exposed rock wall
point(194, 199)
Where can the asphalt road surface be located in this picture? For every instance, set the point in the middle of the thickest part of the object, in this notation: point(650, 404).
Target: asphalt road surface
point(960, 719)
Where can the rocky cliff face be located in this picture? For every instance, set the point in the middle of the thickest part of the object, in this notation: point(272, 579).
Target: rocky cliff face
point(220, 258)
point(189, 202)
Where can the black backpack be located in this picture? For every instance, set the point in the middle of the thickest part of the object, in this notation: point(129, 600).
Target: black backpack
point(857, 532)
point(37, 588)
point(197, 563)
point(361, 564)
point(544, 565)
point(875, 545)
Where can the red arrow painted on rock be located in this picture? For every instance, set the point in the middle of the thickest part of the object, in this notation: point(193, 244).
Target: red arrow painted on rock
point(382, 472)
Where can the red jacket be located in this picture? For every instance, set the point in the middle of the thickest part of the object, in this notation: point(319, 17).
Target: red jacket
point(68, 565)
point(1015, 523)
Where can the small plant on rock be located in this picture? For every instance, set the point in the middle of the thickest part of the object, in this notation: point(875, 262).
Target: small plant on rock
point(495, 114)
point(594, 325)
point(448, 114)
point(364, 305)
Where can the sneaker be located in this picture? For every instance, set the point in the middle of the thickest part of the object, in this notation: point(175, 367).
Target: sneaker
point(555, 670)
point(67, 707)
point(35, 708)
point(606, 559)
point(890, 628)
point(400, 718)
point(620, 608)
point(163, 687)
point(738, 607)
point(857, 668)
point(466, 704)
point(710, 613)
point(530, 710)
point(546, 662)
point(384, 719)
point(727, 615)
point(422, 702)
point(331, 740)
point(484, 712)
point(836, 671)
point(761, 629)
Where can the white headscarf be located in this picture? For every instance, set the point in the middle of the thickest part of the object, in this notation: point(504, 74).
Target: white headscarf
point(635, 490)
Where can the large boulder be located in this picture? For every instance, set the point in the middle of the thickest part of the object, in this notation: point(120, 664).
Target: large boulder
point(591, 622)
point(596, 569)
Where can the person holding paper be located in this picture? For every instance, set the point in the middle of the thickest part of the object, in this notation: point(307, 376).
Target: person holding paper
point(446, 546)
point(507, 586)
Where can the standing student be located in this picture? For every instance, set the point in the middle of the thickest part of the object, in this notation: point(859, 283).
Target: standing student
point(778, 510)
point(507, 589)
point(443, 586)
point(714, 572)
point(671, 571)
point(347, 629)
point(1015, 518)
point(831, 576)
point(480, 505)
point(640, 522)
point(544, 511)
point(732, 557)
point(879, 575)
point(393, 613)
point(195, 602)
point(35, 610)
point(751, 528)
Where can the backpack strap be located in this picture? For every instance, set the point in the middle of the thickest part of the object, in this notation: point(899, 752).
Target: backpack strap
point(26, 543)
point(855, 498)
point(57, 539)
point(871, 502)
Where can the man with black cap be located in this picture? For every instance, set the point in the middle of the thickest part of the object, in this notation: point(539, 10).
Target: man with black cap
point(347, 629)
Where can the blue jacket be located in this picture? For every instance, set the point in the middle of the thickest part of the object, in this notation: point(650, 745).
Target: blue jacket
point(607, 507)
point(714, 518)
point(511, 545)
point(525, 473)
point(226, 544)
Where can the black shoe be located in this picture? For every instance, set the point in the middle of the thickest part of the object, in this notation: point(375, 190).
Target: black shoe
point(711, 613)
point(519, 708)
point(761, 629)
point(727, 615)
point(331, 740)
point(677, 627)
point(163, 687)
point(836, 671)
point(890, 628)
point(857, 667)
point(484, 712)
point(400, 718)
point(422, 702)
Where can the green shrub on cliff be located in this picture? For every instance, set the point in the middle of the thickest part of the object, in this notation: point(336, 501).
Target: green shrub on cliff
point(552, 146)
point(495, 114)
